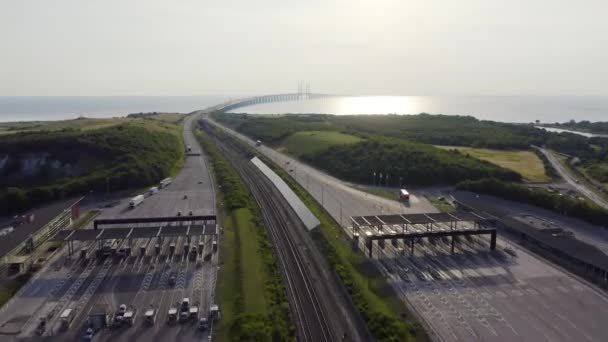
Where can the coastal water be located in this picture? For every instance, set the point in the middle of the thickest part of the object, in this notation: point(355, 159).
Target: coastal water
point(561, 130)
point(30, 108)
point(547, 109)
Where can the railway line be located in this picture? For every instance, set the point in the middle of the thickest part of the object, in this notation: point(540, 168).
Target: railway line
point(318, 308)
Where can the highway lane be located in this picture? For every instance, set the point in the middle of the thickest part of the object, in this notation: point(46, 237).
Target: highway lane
point(122, 282)
point(572, 180)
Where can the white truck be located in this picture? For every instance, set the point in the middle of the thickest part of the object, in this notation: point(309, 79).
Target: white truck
point(150, 317)
point(129, 317)
point(66, 318)
point(172, 316)
point(135, 201)
point(194, 312)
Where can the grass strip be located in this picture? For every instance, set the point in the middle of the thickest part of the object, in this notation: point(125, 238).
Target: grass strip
point(250, 288)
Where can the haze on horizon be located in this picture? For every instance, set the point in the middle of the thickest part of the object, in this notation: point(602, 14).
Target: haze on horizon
point(194, 47)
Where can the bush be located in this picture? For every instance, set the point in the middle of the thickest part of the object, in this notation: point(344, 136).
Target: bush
point(412, 162)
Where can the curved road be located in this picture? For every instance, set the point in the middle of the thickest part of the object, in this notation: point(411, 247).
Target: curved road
point(570, 179)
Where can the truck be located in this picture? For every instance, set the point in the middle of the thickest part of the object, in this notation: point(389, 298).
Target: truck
point(118, 319)
point(135, 201)
point(165, 182)
point(66, 318)
point(150, 317)
point(172, 316)
point(129, 317)
point(214, 312)
point(193, 312)
point(184, 310)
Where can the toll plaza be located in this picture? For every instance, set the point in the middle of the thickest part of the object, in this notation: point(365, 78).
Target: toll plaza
point(152, 228)
point(413, 227)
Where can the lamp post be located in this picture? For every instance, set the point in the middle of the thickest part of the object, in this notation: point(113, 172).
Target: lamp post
point(322, 191)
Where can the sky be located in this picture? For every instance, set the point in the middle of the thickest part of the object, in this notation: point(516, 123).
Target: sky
point(371, 47)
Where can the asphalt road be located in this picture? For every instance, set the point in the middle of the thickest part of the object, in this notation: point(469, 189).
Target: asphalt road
point(138, 281)
point(479, 296)
point(572, 180)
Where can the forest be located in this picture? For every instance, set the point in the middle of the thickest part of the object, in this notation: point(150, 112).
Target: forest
point(453, 130)
point(403, 162)
point(72, 162)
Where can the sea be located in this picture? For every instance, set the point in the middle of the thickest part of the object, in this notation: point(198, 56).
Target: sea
point(47, 108)
point(519, 109)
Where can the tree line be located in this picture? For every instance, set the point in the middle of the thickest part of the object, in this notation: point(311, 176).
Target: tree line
point(119, 157)
point(583, 209)
point(403, 162)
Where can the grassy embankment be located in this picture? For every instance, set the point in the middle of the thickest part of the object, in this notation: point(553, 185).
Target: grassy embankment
point(310, 142)
point(250, 288)
point(387, 317)
point(525, 162)
point(47, 165)
point(599, 171)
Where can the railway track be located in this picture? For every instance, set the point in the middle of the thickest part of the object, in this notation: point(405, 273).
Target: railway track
point(309, 310)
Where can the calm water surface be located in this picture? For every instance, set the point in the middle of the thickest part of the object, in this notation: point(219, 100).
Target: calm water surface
point(497, 108)
point(561, 130)
point(29, 108)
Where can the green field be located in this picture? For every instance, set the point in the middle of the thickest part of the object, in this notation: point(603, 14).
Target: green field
point(242, 275)
point(308, 142)
point(526, 163)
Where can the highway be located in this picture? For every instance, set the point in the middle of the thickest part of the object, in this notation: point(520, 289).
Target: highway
point(138, 281)
point(572, 180)
point(478, 295)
